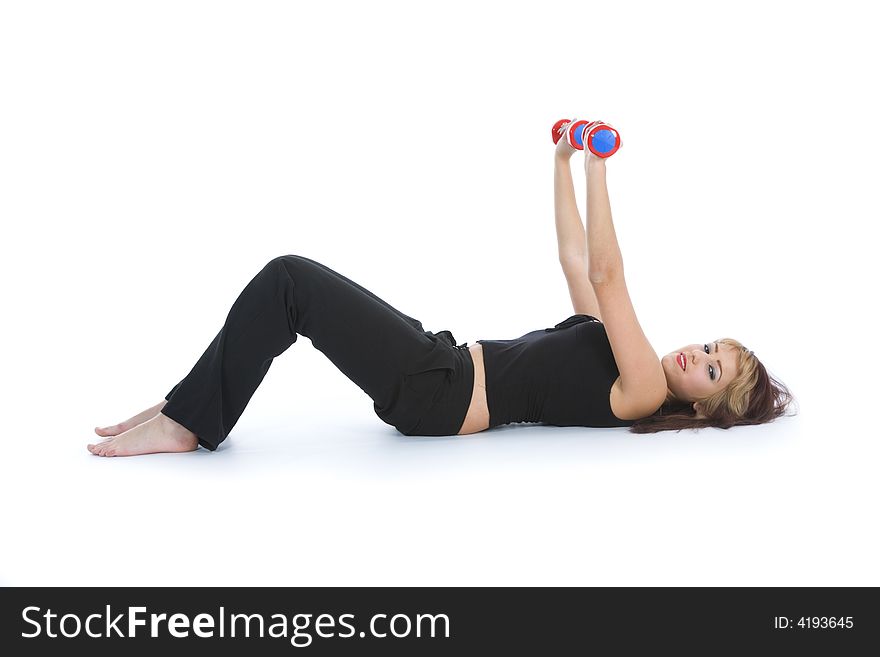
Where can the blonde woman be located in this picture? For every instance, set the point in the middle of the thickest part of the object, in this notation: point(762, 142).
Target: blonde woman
point(594, 369)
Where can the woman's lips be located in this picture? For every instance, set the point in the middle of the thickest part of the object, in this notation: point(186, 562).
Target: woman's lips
point(682, 361)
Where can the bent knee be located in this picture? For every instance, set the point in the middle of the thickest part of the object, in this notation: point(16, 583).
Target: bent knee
point(288, 261)
point(288, 257)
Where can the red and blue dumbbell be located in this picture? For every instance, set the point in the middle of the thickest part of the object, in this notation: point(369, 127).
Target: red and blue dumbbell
point(599, 137)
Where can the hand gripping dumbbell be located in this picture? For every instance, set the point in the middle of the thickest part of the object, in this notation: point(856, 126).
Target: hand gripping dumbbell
point(600, 138)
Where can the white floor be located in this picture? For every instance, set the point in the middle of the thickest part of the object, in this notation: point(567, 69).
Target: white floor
point(302, 494)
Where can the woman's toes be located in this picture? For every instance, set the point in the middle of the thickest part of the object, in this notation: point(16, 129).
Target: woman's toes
point(101, 447)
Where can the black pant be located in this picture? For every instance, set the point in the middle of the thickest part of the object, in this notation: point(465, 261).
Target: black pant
point(420, 382)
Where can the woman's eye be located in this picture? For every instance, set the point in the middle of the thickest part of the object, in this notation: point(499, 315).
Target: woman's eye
point(706, 348)
point(711, 373)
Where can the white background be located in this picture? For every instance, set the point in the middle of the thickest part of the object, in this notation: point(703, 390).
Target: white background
point(155, 155)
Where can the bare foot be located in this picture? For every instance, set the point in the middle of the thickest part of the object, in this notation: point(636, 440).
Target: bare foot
point(158, 434)
point(132, 422)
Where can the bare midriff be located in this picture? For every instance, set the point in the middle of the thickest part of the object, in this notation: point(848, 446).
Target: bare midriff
point(477, 418)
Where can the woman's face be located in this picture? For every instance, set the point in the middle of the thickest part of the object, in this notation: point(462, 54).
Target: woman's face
point(698, 371)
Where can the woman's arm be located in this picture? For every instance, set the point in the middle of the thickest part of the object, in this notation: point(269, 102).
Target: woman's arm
point(570, 236)
point(641, 387)
point(605, 260)
point(571, 239)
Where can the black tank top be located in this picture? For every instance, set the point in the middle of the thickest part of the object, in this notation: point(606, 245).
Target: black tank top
point(560, 376)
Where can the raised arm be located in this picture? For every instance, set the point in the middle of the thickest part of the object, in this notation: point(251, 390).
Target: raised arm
point(605, 260)
point(641, 388)
point(571, 236)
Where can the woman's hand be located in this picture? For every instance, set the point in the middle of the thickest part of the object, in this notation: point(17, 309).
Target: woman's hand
point(564, 151)
point(590, 158)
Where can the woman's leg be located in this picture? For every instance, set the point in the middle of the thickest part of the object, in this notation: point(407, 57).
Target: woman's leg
point(151, 412)
point(334, 275)
point(416, 324)
point(370, 341)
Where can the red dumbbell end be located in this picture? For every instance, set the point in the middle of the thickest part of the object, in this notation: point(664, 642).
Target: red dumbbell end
point(557, 135)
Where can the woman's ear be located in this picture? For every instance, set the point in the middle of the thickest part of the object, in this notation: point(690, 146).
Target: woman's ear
point(699, 411)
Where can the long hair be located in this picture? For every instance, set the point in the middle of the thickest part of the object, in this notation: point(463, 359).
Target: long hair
point(753, 397)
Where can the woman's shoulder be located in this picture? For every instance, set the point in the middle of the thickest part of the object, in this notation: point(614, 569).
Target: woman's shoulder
point(632, 407)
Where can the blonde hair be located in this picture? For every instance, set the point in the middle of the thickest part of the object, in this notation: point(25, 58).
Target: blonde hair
point(752, 397)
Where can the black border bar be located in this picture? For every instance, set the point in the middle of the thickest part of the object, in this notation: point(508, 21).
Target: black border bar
point(442, 620)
